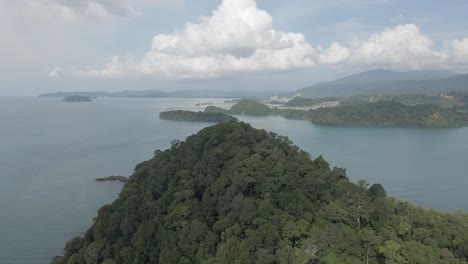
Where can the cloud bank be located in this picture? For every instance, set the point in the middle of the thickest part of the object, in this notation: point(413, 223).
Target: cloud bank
point(460, 51)
point(87, 9)
point(238, 37)
point(401, 47)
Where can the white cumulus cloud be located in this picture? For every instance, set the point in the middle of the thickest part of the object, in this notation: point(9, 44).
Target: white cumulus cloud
point(460, 50)
point(237, 37)
point(55, 72)
point(403, 46)
point(335, 54)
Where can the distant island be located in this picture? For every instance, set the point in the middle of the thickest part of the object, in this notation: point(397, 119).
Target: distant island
point(181, 115)
point(113, 178)
point(374, 82)
point(77, 99)
point(169, 94)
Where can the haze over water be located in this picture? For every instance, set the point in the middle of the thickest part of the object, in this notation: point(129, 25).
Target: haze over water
point(51, 152)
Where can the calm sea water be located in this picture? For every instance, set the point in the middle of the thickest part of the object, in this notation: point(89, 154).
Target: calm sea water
point(51, 152)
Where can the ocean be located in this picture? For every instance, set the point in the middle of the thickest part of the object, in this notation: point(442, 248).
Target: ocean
point(51, 152)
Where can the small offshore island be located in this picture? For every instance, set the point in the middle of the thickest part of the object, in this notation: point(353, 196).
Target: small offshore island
point(180, 115)
point(121, 179)
point(77, 99)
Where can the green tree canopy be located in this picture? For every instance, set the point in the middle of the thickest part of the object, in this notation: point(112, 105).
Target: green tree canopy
point(235, 194)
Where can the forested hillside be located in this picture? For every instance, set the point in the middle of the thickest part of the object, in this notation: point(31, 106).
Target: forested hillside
point(243, 107)
point(235, 194)
point(250, 107)
point(389, 114)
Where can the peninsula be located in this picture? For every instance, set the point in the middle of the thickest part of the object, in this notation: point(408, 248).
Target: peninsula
point(390, 114)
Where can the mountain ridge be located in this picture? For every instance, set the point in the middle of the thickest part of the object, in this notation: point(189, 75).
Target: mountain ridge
point(167, 94)
point(383, 75)
point(389, 82)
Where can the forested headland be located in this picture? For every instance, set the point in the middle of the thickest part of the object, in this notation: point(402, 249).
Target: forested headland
point(235, 194)
point(389, 114)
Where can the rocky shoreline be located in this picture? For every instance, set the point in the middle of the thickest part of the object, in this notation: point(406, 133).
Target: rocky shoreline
point(121, 179)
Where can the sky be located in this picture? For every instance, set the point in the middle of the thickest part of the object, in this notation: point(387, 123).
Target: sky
point(113, 45)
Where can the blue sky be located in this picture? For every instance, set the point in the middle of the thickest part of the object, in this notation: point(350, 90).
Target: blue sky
point(49, 45)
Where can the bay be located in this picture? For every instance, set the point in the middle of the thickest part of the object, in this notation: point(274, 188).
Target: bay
point(51, 152)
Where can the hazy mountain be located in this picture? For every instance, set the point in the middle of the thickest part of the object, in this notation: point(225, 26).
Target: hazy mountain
point(389, 82)
point(67, 94)
point(382, 75)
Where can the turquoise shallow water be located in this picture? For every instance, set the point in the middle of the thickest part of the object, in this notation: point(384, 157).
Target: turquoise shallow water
point(51, 152)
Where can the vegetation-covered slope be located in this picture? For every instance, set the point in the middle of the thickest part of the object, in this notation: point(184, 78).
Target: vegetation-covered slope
point(463, 98)
point(243, 107)
point(303, 102)
point(234, 194)
point(250, 107)
point(215, 109)
point(180, 115)
point(389, 114)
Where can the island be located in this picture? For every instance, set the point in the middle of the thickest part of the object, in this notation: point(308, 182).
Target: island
point(243, 107)
point(216, 109)
point(236, 194)
point(250, 107)
point(358, 113)
point(121, 179)
point(77, 99)
point(182, 115)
